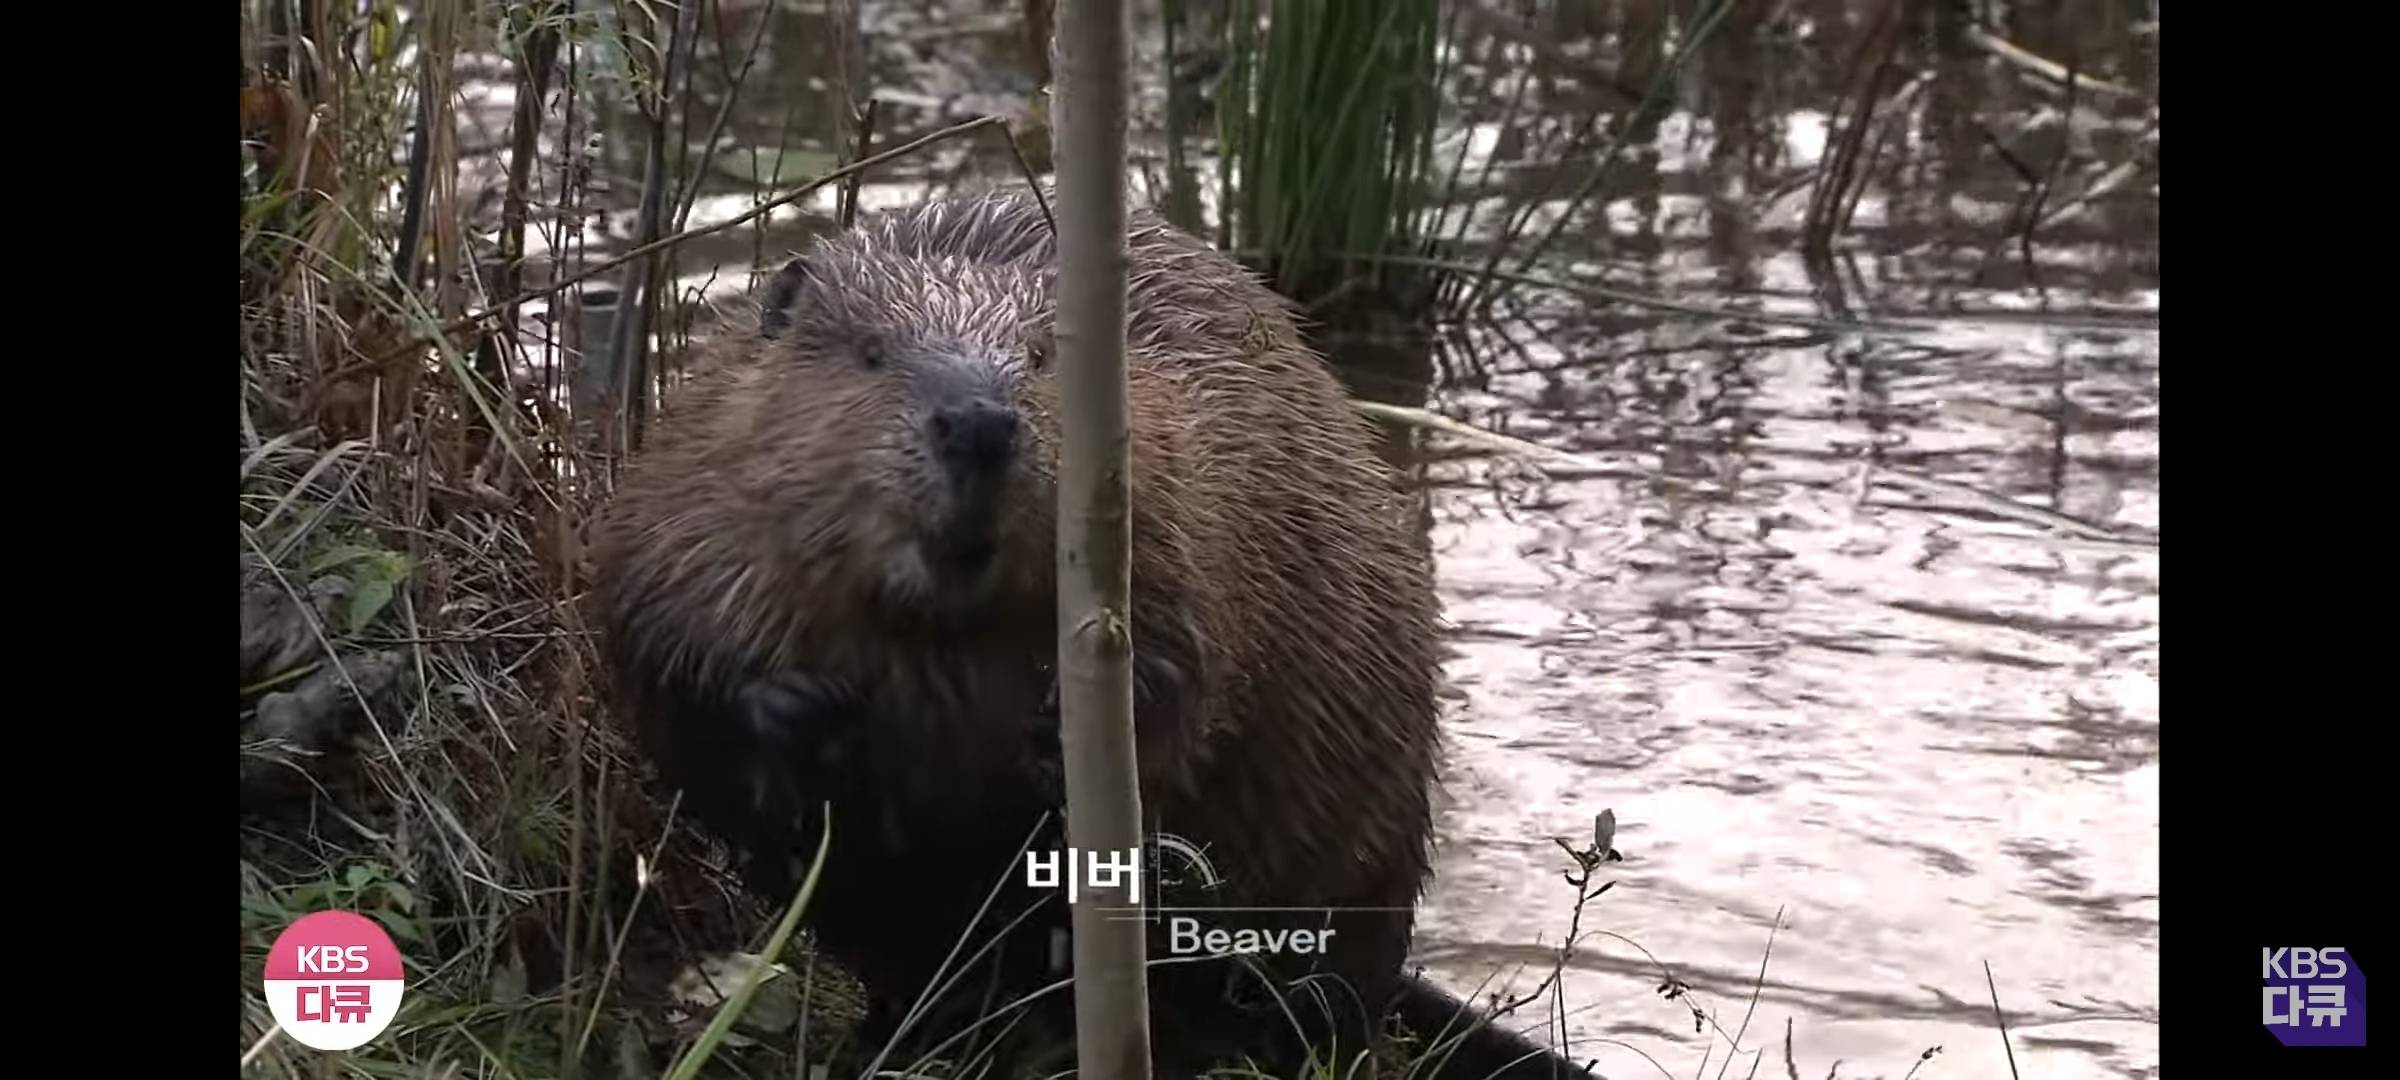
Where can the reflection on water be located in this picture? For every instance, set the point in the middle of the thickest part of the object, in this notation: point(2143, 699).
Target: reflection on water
point(1924, 732)
point(1806, 630)
point(1930, 738)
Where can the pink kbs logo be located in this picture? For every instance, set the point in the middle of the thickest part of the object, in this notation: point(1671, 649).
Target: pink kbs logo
point(334, 980)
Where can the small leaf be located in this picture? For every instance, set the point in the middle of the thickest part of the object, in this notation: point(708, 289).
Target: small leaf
point(633, 1052)
point(358, 876)
point(373, 586)
point(266, 910)
point(508, 983)
point(401, 927)
point(345, 554)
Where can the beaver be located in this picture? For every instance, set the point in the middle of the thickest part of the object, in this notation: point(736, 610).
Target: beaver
point(829, 580)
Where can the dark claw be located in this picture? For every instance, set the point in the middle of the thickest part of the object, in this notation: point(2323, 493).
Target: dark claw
point(1156, 682)
point(1047, 759)
point(775, 307)
point(1157, 685)
point(799, 718)
point(801, 727)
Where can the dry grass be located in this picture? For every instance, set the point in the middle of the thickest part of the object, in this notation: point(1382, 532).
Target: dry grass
point(474, 800)
point(424, 734)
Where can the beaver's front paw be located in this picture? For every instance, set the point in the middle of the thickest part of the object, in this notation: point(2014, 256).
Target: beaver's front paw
point(1157, 691)
point(1157, 687)
point(803, 738)
point(1157, 684)
point(804, 722)
point(1045, 757)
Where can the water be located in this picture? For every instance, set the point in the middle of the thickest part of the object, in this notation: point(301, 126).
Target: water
point(1925, 734)
point(1917, 721)
point(1931, 740)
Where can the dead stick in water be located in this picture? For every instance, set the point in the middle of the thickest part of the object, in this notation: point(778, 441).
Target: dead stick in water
point(2049, 69)
point(2000, 1019)
point(1998, 505)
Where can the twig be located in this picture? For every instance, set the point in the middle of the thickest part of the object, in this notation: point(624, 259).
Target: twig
point(796, 194)
point(866, 140)
point(2010, 508)
point(927, 995)
point(2048, 69)
point(733, 1008)
point(383, 736)
point(1755, 988)
point(2109, 184)
point(716, 127)
point(1437, 422)
point(2134, 323)
point(1584, 895)
point(1458, 162)
point(414, 189)
point(758, 236)
point(1603, 292)
point(260, 1046)
point(474, 636)
point(1183, 202)
point(1652, 100)
point(629, 338)
point(571, 948)
point(2007, 156)
point(641, 888)
point(1033, 183)
point(1894, 118)
point(1840, 168)
point(2049, 180)
point(1094, 528)
point(1999, 506)
point(539, 49)
point(2002, 1020)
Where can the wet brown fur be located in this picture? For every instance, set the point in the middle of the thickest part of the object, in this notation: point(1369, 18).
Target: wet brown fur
point(1284, 620)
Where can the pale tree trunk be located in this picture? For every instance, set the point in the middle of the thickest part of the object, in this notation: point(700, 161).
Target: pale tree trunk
point(1095, 535)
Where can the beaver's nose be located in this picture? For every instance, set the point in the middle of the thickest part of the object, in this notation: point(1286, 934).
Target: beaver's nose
point(975, 436)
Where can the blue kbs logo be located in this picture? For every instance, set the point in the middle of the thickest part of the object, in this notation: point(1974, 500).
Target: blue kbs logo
point(2315, 997)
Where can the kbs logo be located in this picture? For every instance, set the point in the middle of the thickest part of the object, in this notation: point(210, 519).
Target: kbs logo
point(2315, 997)
point(333, 980)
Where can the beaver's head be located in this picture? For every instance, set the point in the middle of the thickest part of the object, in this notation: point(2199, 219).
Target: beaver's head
point(920, 386)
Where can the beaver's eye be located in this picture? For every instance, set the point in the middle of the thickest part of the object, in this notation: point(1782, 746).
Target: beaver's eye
point(870, 353)
point(1037, 353)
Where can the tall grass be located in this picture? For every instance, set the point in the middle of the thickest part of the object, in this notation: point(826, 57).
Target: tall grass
point(1326, 122)
point(424, 737)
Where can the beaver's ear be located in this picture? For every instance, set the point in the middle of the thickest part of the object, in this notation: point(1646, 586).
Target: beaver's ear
point(775, 307)
point(1040, 344)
